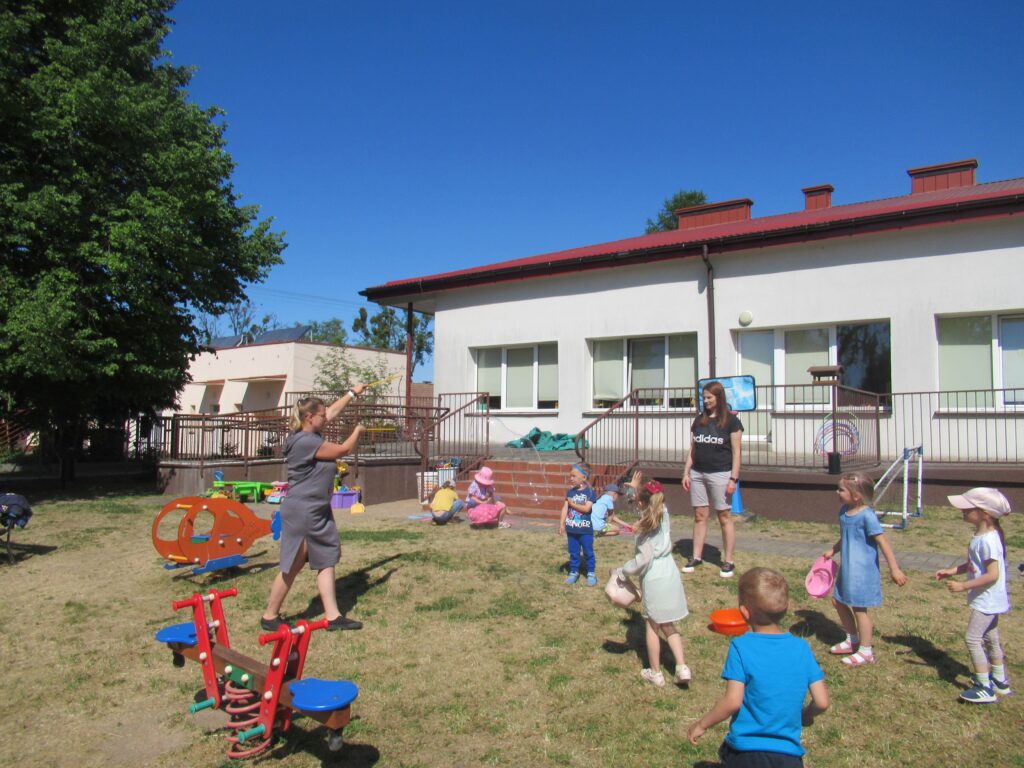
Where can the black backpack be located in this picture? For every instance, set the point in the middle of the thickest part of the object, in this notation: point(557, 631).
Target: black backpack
point(14, 511)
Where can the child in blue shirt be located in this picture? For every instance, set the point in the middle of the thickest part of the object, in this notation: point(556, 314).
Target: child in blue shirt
point(576, 525)
point(768, 673)
point(602, 514)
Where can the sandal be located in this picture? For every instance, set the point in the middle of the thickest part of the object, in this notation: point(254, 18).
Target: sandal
point(503, 524)
point(858, 659)
point(844, 648)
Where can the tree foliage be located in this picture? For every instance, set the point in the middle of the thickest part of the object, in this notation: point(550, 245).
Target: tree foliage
point(331, 331)
point(386, 330)
point(667, 219)
point(118, 221)
point(337, 370)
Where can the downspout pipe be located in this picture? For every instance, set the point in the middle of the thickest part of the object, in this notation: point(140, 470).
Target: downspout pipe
point(711, 311)
point(408, 354)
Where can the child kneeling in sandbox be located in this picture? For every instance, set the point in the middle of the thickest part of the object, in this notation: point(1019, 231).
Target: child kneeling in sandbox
point(445, 503)
point(767, 675)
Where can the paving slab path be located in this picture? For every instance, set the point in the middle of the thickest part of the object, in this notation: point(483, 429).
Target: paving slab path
point(746, 541)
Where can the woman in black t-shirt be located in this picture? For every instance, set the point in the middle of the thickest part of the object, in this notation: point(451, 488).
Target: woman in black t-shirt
point(711, 473)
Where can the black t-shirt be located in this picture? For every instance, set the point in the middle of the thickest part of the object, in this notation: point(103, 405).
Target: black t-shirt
point(712, 450)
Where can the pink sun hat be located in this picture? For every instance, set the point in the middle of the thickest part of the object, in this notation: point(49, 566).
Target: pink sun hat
point(485, 476)
point(821, 577)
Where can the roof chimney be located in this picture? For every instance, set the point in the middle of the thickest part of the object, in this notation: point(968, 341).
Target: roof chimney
point(931, 178)
point(818, 197)
point(714, 213)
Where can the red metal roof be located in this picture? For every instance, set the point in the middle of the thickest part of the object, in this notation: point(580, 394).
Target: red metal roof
point(750, 233)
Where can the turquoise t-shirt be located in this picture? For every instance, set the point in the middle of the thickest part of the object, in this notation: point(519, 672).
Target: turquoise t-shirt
point(775, 671)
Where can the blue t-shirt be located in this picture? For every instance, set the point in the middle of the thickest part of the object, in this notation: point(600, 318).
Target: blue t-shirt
point(775, 671)
point(600, 511)
point(576, 521)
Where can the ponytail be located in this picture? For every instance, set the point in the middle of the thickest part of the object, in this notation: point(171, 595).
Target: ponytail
point(304, 406)
point(1002, 540)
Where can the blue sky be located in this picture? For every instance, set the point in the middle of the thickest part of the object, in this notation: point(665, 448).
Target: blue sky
point(396, 139)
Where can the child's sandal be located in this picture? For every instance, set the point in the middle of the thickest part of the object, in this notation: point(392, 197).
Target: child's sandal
point(859, 660)
point(844, 648)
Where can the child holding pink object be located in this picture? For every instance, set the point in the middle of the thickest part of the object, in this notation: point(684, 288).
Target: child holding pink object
point(987, 595)
point(859, 581)
point(484, 509)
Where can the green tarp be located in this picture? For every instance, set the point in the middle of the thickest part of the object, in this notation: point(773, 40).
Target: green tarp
point(544, 441)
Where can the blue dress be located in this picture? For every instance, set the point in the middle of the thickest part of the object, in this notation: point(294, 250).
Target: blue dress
point(859, 582)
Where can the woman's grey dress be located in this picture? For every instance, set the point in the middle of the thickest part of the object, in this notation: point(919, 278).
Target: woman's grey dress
point(306, 510)
point(661, 584)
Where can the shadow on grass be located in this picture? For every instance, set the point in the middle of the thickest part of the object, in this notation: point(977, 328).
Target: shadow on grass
point(815, 624)
point(636, 642)
point(314, 743)
point(350, 587)
point(711, 553)
point(948, 668)
point(20, 552)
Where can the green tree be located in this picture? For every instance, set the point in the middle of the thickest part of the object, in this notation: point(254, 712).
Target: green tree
point(119, 225)
point(386, 330)
point(337, 370)
point(329, 331)
point(667, 218)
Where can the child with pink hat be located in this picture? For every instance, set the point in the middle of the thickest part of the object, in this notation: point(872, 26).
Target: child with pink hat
point(987, 594)
point(484, 509)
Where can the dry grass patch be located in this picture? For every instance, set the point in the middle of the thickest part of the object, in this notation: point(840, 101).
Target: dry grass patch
point(474, 653)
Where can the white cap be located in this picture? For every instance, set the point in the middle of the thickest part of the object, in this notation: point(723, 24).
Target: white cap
point(988, 499)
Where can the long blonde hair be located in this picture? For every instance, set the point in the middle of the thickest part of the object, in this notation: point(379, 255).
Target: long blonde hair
point(652, 508)
point(302, 408)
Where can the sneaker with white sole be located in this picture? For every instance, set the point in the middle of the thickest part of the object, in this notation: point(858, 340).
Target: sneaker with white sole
point(683, 675)
point(979, 694)
point(726, 570)
point(692, 564)
point(654, 678)
point(1002, 687)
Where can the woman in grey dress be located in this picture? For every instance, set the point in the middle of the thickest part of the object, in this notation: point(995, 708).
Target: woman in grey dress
point(308, 532)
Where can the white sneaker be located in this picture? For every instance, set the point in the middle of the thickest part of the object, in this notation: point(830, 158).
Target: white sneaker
point(683, 675)
point(655, 678)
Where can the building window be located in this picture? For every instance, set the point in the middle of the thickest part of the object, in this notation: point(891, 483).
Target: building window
point(519, 378)
point(782, 356)
point(981, 360)
point(652, 364)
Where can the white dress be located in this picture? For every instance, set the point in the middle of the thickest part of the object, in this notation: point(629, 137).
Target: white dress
point(662, 586)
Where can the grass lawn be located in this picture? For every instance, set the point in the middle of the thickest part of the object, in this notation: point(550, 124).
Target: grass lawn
point(474, 653)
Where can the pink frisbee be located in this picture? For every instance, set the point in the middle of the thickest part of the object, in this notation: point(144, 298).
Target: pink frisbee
point(821, 577)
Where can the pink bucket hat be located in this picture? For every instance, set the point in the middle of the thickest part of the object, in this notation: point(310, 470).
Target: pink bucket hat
point(484, 476)
point(821, 577)
point(989, 499)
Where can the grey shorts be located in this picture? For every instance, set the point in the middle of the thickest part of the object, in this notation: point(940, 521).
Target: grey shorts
point(707, 489)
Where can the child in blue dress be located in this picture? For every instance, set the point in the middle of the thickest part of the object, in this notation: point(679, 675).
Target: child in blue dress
point(859, 581)
point(575, 524)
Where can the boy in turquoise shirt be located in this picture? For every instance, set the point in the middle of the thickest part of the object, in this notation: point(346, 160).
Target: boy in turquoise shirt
point(768, 673)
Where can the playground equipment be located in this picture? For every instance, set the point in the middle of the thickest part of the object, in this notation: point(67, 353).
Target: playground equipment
point(261, 700)
point(234, 529)
point(901, 467)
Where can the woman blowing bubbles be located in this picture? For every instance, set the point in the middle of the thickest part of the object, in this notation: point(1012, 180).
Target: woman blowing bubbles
point(308, 531)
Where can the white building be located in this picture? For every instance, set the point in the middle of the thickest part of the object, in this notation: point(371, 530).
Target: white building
point(914, 294)
point(234, 377)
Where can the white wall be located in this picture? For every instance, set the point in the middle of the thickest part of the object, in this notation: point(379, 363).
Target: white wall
point(236, 367)
point(906, 277)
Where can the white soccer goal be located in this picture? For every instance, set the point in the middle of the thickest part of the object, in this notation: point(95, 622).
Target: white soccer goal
point(911, 463)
